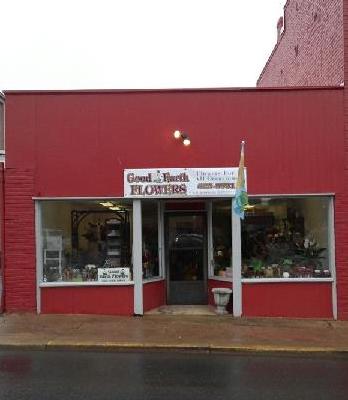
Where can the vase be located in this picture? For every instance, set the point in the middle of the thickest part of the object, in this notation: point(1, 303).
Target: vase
point(221, 298)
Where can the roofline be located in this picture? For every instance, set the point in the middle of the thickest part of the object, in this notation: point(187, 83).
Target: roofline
point(172, 90)
point(275, 48)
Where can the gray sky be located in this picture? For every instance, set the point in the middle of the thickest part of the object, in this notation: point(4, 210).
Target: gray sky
point(83, 44)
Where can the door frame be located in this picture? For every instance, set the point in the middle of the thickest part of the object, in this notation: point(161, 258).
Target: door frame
point(204, 213)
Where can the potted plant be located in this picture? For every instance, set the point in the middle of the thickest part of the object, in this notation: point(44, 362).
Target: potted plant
point(310, 254)
point(256, 265)
point(286, 264)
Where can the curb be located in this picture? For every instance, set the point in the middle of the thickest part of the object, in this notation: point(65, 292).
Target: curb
point(115, 347)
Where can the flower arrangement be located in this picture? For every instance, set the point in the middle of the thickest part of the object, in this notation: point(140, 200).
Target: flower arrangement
point(309, 253)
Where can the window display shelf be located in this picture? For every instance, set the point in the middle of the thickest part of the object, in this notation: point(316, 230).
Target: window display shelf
point(286, 280)
point(61, 284)
point(221, 278)
point(154, 279)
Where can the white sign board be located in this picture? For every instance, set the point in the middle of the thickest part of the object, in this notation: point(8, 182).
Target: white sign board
point(180, 182)
point(113, 275)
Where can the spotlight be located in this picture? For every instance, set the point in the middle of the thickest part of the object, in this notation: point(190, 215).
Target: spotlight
point(185, 139)
point(177, 134)
point(106, 203)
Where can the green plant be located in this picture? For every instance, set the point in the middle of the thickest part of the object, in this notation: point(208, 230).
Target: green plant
point(309, 253)
point(286, 263)
point(256, 264)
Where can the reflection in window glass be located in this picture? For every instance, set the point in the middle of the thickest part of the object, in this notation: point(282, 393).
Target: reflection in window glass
point(150, 239)
point(186, 242)
point(86, 241)
point(222, 238)
point(286, 238)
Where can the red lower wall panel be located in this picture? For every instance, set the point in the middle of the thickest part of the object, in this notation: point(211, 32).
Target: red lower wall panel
point(154, 294)
point(212, 283)
point(107, 300)
point(292, 300)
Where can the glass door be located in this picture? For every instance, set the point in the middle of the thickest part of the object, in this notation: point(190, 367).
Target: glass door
point(186, 258)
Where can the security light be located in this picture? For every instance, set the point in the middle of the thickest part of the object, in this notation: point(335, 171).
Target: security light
point(185, 139)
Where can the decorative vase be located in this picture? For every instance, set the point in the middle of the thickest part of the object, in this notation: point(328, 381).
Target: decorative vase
point(221, 298)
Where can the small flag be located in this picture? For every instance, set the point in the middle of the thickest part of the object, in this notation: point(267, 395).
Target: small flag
point(240, 200)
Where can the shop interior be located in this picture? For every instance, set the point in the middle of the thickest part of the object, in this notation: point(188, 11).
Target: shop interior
point(280, 238)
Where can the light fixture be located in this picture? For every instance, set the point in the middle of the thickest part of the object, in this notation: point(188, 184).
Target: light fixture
point(180, 135)
point(115, 208)
point(106, 203)
point(177, 134)
point(186, 141)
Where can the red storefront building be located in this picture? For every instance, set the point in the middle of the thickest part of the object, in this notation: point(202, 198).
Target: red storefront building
point(100, 217)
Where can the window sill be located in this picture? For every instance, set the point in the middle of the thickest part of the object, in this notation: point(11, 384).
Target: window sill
point(69, 284)
point(154, 279)
point(286, 280)
point(221, 278)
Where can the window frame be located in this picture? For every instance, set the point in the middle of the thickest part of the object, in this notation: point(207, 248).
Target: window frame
point(331, 242)
point(160, 241)
point(211, 274)
point(38, 201)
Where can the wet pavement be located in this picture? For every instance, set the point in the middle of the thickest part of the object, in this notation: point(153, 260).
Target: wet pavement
point(170, 375)
point(201, 332)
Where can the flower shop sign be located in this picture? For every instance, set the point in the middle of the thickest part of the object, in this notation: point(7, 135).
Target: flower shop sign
point(180, 182)
point(113, 275)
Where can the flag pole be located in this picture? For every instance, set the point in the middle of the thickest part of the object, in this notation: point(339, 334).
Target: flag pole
point(238, 204)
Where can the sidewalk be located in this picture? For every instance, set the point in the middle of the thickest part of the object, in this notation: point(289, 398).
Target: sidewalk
point(153, 332)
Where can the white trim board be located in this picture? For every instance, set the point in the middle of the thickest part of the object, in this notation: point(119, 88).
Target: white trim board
point(286, 280)
point(81, 284)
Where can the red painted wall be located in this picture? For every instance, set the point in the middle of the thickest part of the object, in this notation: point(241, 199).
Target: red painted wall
point(294, 300)
point(315, 28)
point(77, 144)
point(154, 295)
point(107, 300)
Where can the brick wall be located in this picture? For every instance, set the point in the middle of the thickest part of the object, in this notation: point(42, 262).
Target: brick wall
point(342, 201)
point(310, 49)
point(20, 286)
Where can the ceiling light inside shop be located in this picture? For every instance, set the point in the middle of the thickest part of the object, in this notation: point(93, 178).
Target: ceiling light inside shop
point(115, 208)
point(106, 204)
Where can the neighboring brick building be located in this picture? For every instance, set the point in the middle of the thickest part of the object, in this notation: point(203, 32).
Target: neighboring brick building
point(2, 163)
point(342, 201)
point(309, 50)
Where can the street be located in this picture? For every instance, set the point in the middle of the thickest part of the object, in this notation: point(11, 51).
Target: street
point(170, 375)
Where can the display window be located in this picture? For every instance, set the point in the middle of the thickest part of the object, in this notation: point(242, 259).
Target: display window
point(287, 238)
point(86, 241)
point(221, 238)
point(150, 235)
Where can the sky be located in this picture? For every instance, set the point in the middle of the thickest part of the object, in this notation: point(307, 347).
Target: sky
point(135, 44)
